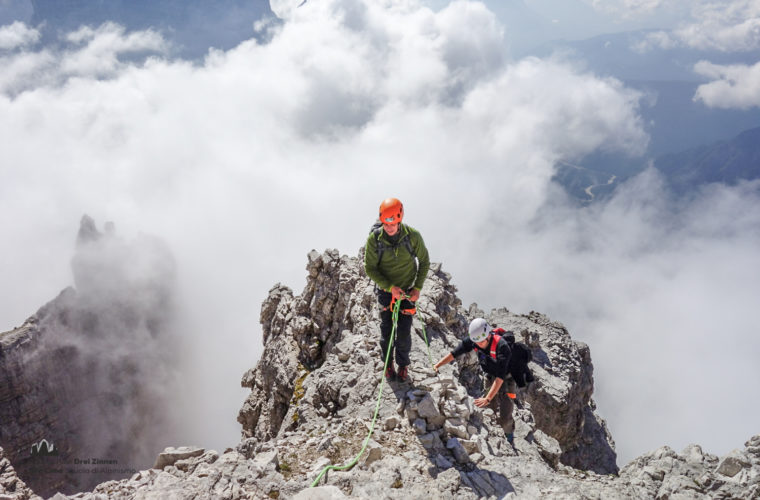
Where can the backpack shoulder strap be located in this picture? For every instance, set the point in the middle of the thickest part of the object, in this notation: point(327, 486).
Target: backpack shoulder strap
point(494, 342)
point(495, 338)
point(407, 242)
point(377, 231)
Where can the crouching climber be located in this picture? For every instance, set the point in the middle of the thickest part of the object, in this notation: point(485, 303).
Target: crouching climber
point(493, 355)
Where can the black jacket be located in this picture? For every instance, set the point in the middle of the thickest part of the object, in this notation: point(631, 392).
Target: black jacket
point(498, 367)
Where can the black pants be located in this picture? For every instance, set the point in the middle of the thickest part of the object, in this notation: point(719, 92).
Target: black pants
point(403, 338)
point(502, 404)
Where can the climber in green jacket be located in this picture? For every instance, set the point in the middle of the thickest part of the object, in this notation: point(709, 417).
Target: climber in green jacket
point(396, 259)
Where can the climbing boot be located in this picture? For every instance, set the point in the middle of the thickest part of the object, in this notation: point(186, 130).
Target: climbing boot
point(403, 373)
point(390, 371)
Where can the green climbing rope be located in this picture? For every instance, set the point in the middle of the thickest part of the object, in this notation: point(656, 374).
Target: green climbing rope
point(396, 308)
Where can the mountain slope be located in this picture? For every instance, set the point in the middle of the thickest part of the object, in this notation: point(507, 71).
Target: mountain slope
point(315, 390)
point(86, 375)
point(726, 161)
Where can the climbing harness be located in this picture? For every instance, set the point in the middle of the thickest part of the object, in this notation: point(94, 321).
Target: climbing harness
point(409, 312)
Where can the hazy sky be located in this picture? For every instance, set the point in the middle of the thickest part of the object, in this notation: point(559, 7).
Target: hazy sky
point(246, 161)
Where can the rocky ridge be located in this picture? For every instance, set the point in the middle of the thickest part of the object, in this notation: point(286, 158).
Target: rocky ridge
point(11, 487)
point(74, 377)
point(314, 392)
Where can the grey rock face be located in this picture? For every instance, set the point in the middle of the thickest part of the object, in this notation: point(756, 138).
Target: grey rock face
point(11, 487)
point(560, 398)
point(320, 493)
point(315, 390)
point(322, 375)
point(171, 455)
point(692, 473)
point(84, 373)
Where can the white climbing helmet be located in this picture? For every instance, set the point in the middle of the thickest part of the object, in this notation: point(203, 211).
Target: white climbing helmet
point(478, 330)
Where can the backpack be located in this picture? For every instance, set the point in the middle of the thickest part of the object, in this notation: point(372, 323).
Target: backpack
point(521, 356)
point(377, 231)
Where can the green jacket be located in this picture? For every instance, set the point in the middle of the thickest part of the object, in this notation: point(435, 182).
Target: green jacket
point(398, 267)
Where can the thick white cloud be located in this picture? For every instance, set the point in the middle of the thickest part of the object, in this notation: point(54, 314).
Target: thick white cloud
point(246, 162)
point(734, 86)
point(24, 70)
point(16, 35)
point(89, 53)
point(725, 26)
point(284, 8)
point(732, 26)
point(718, 26)
point(98, 50)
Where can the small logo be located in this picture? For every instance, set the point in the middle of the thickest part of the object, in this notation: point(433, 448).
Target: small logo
point(44, 449)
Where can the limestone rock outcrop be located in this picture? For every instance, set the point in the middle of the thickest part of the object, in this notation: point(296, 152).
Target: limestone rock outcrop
point(321, 345)
point(11, 487)
point(693, 473)
point(314, 393)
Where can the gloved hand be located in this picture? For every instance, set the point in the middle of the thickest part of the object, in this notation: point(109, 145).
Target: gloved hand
point(414, 295)
point(396, 292)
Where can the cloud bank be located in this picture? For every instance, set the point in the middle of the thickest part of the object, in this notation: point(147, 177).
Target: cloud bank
point(724, 26)
point(733, 86)
point(249, 160)
point(713, 27)
point(732, 26)
point(17, 35)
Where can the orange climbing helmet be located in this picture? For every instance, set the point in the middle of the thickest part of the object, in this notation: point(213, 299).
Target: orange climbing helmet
point(391, 211)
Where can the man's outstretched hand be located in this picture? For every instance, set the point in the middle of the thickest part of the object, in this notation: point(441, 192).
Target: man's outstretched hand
point(482, 402)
